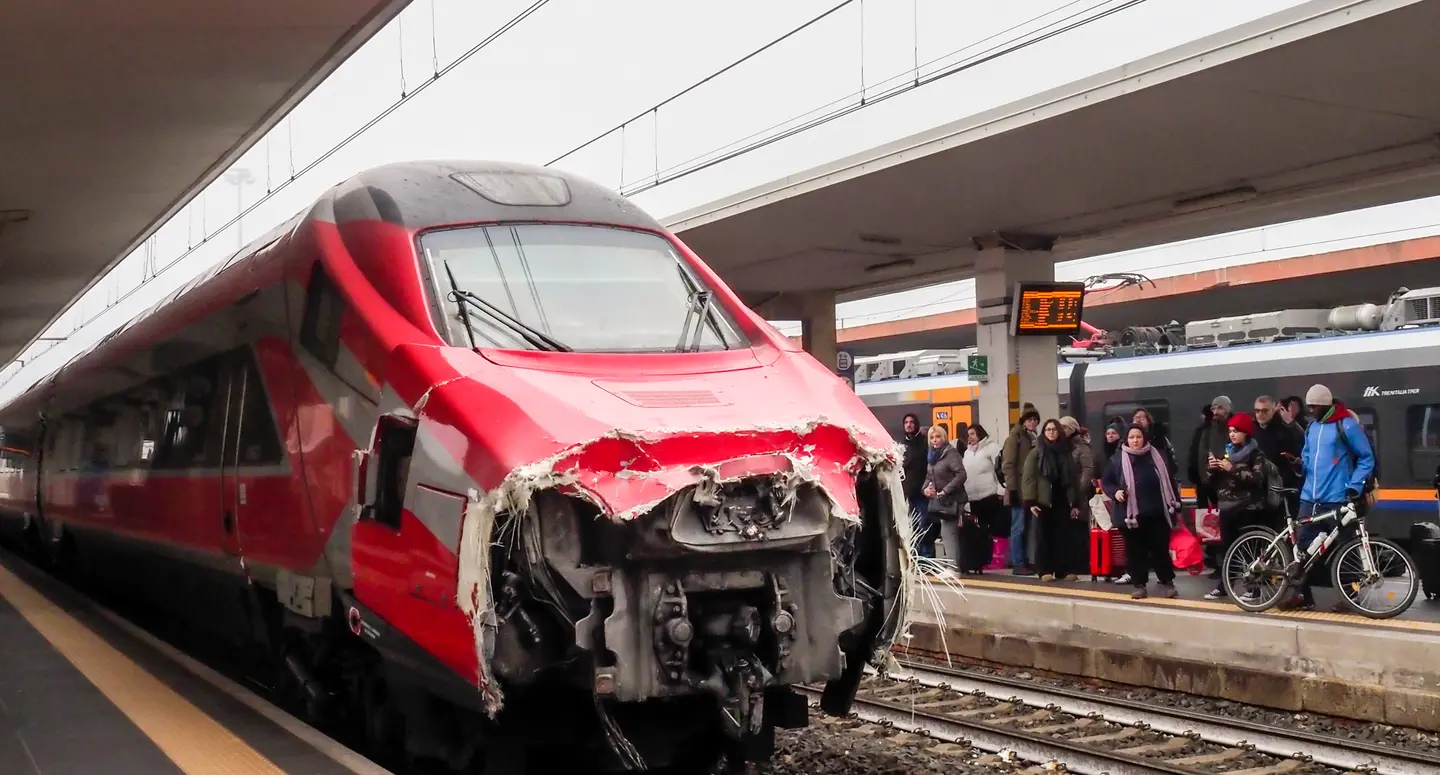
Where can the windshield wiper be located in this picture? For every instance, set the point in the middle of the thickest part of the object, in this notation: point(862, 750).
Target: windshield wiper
point(537, 339)
point(464, 311)
point(701, 299)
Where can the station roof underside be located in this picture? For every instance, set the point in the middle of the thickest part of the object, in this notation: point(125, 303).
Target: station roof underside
point(117, 113)
point(1327, 107)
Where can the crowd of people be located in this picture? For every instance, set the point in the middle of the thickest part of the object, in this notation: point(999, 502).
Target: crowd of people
point(1047, 484)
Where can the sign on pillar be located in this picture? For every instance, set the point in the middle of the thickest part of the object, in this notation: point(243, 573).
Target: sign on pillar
point(977, 367)
point(845, 366)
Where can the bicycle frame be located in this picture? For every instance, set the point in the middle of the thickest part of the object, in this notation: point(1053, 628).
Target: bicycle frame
point(1343, 517)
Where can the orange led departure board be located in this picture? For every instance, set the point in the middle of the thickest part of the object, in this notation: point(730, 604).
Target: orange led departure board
point(1047, 309)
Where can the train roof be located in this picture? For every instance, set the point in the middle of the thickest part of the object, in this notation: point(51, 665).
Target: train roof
point(415, 195)
point(1358, 352)
point(424, 194)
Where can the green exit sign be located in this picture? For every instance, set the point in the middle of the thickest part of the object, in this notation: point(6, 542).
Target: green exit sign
point(978, 367)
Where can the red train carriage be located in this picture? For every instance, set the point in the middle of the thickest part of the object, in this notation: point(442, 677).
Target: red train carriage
point(482, 458)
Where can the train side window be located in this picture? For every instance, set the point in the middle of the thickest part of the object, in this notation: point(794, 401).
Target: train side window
point(1158, 409)
point(1422, 428)
point(259, 440)
point(194, 420)
point(1370, 422)
point(324, 309)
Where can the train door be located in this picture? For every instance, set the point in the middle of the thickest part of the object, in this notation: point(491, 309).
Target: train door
point(956, 419)
point(232, 491)
point(249, 471)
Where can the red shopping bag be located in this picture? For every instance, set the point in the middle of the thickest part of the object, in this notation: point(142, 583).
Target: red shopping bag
point(1207, 525)
point(1000, 556)
point(1185, 551)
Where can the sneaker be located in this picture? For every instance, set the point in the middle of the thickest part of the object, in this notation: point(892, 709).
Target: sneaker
point(1025, 569)
point(1048, 577)
point(1217, 593)
point(1123, 580)
point(1071, 577)
point(1139, 594)
point(1169, 591)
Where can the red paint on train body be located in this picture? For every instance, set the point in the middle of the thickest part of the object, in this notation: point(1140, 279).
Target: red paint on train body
point(221, 428)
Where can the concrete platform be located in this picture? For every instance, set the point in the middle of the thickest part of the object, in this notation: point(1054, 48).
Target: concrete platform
point(83, 691)
point(1319, 661)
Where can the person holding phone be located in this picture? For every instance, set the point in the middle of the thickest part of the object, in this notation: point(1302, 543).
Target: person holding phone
point(1280, 437)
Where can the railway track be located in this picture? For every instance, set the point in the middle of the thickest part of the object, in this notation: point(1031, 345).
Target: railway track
point(1109, 736)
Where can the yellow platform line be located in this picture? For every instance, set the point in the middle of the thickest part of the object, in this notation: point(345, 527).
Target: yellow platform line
point(1055, 590)
point(195, 742)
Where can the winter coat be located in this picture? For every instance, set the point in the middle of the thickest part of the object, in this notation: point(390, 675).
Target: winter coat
point(1332, 465)
point(947, 476)
point(1084, 455)
point(1149, 495)
point(1278, 437)
point(1210, 439)
point(980, 479)
point(1243, 486)
point(1018, 446)
point(914, 465)
point(1036, 491)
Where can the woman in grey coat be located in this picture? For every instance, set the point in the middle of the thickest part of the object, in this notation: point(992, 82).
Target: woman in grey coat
point(945, 489)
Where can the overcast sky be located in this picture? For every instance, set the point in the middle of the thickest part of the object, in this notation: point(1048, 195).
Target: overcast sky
point(575, 70)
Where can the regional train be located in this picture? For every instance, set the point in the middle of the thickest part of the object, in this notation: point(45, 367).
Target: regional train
point(484, 463)
point(1390, 379)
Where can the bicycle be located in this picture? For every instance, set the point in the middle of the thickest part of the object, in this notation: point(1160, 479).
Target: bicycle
point(1265, 558)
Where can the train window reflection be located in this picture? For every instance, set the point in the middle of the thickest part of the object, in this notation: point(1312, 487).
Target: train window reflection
point(585, 288)
point(1422, 427)
point(1159, 410)
point(1369, 421)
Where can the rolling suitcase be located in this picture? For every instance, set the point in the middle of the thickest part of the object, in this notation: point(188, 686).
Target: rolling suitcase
point(1107, 554)
point(1425, 547)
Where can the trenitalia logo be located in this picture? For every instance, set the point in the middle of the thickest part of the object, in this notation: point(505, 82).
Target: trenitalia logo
point(1373, 391)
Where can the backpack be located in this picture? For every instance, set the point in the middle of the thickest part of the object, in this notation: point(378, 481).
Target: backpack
point(1000, 467)
point(1367, 495)
point(1274, 502)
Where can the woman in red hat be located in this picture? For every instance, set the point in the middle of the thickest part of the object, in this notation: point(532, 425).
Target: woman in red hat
point(1238, 480)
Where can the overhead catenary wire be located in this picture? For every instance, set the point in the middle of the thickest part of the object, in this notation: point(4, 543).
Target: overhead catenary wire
point(707, 79)
point(679, 171)
point(916, 81)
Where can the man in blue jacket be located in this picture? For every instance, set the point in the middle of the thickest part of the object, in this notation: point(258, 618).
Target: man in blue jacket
point(1338, 461)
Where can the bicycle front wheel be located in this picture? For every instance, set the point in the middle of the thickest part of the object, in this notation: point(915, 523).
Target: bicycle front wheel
point(1384, 593)
point(1253, 570)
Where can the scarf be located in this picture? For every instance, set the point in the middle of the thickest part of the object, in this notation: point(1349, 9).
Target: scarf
point(932, 454)
point(1238, 454)
point(1167, 490)
point(1053, 459)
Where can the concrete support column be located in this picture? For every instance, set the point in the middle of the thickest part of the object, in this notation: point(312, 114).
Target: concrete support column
point(817, 327)
point(1022, 369)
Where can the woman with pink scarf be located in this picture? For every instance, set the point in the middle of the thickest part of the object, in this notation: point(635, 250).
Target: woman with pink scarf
point(1141, 483)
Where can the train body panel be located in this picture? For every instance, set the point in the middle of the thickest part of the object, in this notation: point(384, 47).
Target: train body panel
point(358, 444)
point(1391, 380)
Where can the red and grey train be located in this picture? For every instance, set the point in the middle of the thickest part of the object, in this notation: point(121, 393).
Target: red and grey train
point(482, 459)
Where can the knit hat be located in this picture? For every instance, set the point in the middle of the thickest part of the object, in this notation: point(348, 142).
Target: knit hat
point(1222, 401)
point(1319, 395)
point(1242, 422)
point(1070, 424)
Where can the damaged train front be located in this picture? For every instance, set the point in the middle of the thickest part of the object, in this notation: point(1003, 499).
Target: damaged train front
point(706, 570)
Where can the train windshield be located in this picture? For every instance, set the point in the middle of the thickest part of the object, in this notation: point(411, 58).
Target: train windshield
point(574, 288)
